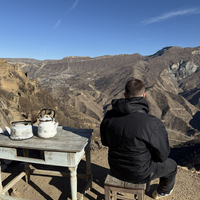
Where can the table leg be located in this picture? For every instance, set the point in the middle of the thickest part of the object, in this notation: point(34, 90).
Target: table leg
point(73, 182)
point(26, 166)
point(1, 187)
point(88, 167)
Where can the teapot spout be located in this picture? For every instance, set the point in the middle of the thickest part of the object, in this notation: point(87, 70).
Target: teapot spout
point(8, 129)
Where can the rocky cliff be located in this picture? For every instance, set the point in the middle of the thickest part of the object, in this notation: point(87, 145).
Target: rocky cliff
point(22, 99)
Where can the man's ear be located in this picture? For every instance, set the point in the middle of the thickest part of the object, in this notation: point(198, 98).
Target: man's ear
point(125, 94)
point(144, 95)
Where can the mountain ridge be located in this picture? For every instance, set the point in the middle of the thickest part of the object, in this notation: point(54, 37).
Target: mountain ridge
point(83, 93)
point(102, 78)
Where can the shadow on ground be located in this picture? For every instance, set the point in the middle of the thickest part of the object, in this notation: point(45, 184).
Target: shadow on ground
point(61, 183)
point(187, 154)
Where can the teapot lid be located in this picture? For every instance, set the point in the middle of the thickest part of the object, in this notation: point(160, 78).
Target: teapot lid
point(46, 118)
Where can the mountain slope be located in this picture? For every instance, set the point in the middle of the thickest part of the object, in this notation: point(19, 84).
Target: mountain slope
point(22, 99)
point(88, 84)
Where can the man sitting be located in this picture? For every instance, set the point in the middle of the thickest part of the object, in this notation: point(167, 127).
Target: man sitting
point(138, 142)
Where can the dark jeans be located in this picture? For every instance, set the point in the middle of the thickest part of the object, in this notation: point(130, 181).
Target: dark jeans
point(166, 171)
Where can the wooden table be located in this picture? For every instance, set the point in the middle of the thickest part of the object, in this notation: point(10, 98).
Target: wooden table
point(65, 149)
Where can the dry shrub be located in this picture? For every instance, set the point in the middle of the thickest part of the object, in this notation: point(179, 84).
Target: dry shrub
point(31, 88)
point(6, 95)
point(45, 100)
point(6, 111)
point(24, 105)
point(23, 88)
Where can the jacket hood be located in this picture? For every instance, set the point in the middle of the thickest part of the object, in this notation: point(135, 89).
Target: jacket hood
point(130, 105)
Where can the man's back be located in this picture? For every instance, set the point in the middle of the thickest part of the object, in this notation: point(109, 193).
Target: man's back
point(135, 139)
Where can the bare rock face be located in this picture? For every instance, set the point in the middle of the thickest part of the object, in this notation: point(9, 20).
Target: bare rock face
point(89, 84)
point(182, 70)
point(20, 98)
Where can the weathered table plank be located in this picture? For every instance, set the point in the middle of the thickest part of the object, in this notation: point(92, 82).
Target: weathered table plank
point(66, 140)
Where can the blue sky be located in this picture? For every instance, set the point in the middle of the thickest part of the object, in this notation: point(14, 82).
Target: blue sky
point(53, 29)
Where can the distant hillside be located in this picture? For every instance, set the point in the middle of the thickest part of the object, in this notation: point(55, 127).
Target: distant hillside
point(88, 84)
point(22, 99)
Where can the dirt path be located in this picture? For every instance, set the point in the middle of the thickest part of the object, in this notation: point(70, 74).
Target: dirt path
point(187, 185)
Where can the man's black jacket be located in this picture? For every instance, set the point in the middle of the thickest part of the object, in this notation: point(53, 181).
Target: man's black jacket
point(136, 139)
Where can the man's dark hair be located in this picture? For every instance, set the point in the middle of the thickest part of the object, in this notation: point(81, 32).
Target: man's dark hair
point(134, 88)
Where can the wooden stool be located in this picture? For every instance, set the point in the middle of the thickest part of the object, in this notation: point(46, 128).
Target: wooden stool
point(114, 186)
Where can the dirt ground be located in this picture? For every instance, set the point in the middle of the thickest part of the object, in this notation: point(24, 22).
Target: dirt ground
point(187, 186)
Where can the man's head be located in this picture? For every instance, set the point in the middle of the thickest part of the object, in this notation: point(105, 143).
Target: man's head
point(134, 88)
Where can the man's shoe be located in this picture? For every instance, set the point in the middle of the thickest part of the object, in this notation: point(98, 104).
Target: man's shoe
point(156, 195)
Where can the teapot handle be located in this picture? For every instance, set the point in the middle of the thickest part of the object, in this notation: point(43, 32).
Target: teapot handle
point(8, 130)
point(46, 112)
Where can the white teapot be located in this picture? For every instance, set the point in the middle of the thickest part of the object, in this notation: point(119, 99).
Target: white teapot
point(47, 126)
point(21, 130)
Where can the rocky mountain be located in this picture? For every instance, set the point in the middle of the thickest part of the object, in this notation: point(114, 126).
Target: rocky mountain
point(88, 84)
point(22, 99)
point(80, 90)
